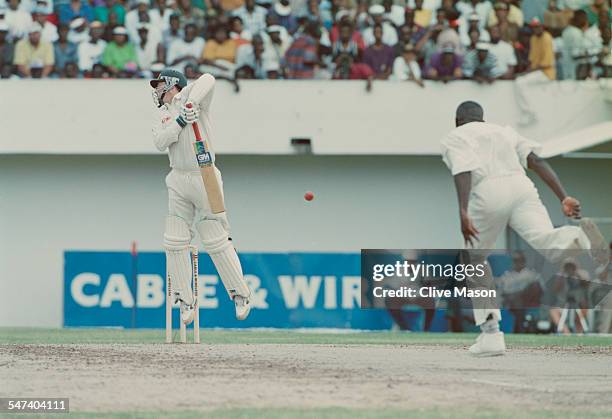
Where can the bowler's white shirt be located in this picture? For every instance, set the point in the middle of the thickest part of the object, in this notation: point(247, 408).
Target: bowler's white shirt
point(486, 150)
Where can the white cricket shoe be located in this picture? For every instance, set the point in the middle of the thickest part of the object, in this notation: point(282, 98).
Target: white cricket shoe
point(187, 310)
point(489, 344)
point(243, 307)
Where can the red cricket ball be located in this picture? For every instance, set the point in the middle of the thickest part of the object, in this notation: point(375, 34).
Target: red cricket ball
point(308, 196)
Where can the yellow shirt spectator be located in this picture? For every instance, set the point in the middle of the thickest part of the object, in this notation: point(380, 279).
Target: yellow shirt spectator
point(225, 50)
point(542, 55)
point(32, 52)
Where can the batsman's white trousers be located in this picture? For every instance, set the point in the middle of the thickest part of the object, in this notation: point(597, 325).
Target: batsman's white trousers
point(187, 194)
point(514, 201)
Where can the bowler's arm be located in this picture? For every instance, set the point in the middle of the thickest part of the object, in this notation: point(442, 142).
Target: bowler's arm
point(463, 185)
point(570, 206)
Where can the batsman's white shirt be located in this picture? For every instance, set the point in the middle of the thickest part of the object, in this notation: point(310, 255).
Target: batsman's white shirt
point(502, 194)
point(185, 187)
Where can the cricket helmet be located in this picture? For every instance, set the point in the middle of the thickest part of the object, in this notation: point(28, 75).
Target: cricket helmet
point(170, 78)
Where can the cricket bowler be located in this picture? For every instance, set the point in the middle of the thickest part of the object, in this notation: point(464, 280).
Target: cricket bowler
point(180, 105)
point(488, 164)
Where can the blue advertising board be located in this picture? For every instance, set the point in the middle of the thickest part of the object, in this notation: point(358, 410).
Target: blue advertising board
point(116, 289)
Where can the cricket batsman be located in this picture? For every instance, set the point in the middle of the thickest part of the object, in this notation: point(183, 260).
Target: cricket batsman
point(181, 105)
point(488, 164)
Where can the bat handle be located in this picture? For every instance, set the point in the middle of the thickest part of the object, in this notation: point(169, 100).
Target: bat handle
point(196, 130)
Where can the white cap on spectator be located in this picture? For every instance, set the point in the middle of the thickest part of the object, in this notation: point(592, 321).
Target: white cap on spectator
point(483, 46)
point(158, 67)
point(120, 30)
point(341, 14)
point(3, 26)
point(376, 9)
point(77, 23)
point(282, 9)
point(41, 10)
point(96, 24)
point(35, 27)
point(474, 17)
point(274, 28)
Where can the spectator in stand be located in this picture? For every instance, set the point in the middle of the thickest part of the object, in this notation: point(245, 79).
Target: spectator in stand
point(541, 69)
point(393, 13)
point(278, 46)
point(19, 21)
point(479, 64)
point(90, 52)
point(120, 55)
point(64, 51)
point(110, 27)
point(376, 13)
point(281, 11)
point(143, 14)
point(161, 13)
point(379, 56)
point(347, 69)
point(473, 22)
point(581, 47)
point(514, 14)
point(256, 61)
point(445, 66)
point(78, 31)
point(450, 36)
point(521, 49)
point(422, 17)
point(191, 15)
point(509, 30)
point(253, 17)
point(504, 54)
point(406, 67)
point(474, 39)
point(187, 50)
point(481, 8)
point(101, 12)
point(573, 4)
point(343, 17)
point(98, 72)
point(450, 7)
point(173, 33)
point(7, 47)
point(33, 57)
point(219, 55)
point(302, 56)
point(49, 31)
point(345, 43)
point(596, 10)
point(76, 8)
point(71, 71)
point(146, 50)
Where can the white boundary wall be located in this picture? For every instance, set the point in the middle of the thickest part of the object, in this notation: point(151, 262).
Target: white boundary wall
point(114, 117)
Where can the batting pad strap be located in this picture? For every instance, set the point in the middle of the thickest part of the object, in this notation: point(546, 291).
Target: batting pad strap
point(177, 235)
point(215, 241)
point(215, 238)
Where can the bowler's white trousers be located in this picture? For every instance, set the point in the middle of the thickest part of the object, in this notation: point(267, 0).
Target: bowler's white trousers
point(513, 200)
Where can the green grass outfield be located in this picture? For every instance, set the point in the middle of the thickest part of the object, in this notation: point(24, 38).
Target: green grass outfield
point(11, 335)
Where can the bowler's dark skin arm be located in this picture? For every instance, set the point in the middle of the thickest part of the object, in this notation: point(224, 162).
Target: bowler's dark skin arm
point(571, 207)
point(463, 185)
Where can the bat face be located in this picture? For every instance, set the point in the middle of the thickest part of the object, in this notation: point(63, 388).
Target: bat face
point(203, 157)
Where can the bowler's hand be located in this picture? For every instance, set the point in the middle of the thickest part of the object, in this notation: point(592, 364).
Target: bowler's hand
point(468, 230)
point(571, 207)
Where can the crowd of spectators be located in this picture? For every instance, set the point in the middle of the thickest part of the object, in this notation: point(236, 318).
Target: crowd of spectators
point(307, 39)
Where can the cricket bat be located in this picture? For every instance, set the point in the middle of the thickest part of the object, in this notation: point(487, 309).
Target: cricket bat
point(207, 170)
